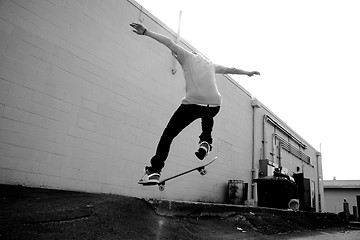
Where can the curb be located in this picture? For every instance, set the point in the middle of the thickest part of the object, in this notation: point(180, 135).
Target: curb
point(200, 209)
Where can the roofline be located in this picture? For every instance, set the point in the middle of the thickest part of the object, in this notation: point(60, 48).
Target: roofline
point(341, 184)
point(343, 187)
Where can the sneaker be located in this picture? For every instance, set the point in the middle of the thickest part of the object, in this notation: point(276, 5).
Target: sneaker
point(150, 178)
point(203, 150)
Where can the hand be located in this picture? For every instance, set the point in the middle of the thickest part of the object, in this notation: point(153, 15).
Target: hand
point(139, 29)
point(250, 74)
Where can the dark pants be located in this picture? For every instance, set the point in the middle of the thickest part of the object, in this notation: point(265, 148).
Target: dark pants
point(183, 116)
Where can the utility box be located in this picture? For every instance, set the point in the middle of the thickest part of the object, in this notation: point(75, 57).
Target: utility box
point(237, 192)
point(275, 192)
point(267, 168)
point(304, 191)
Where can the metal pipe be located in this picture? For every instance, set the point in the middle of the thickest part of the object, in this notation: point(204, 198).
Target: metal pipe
point(264, 137)
point(318, 157)
point(267, 118)
point(254, 104)
point(253, 140)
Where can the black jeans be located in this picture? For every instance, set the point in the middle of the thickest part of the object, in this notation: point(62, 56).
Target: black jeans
point(183, 116)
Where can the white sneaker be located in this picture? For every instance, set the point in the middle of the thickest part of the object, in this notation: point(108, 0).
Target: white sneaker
point(149, 178)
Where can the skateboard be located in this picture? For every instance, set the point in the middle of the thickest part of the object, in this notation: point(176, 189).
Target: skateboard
point(200, 168)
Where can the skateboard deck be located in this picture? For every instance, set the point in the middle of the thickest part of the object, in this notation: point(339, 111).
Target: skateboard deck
point(200, 168)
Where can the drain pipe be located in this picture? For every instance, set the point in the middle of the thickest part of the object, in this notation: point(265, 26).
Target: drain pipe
point(319, 179)
point(255, 104)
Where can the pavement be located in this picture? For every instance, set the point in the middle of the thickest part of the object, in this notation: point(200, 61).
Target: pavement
point(37, 213)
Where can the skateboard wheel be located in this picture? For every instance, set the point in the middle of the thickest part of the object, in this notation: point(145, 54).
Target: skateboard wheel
point(161, 187)
point(203, 172)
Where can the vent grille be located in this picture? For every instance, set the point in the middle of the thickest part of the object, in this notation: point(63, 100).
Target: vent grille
point(294, 151)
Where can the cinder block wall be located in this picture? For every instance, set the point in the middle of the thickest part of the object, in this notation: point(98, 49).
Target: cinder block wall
point(84, 100)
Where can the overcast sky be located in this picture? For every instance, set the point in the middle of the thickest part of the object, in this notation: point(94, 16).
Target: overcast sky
point(308, 54)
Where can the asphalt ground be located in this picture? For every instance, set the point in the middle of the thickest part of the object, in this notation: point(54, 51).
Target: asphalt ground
point(37, 213)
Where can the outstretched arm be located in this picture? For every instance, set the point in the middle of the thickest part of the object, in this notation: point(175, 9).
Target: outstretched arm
point(141, 30)
point(225, 70)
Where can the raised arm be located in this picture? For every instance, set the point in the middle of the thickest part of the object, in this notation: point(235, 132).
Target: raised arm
point(225, 70)
point(141, 30)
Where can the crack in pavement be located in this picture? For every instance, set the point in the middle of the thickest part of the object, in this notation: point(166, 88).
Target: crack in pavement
point(66, 220)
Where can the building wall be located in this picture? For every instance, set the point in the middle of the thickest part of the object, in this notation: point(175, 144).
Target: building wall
point(84, 101)
point(267, 146)
point(334, 199)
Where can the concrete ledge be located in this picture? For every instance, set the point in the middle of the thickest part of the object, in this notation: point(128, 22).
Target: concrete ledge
point(195, 209)
point(261, 219)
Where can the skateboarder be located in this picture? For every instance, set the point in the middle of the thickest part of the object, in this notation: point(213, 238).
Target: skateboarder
point(202, 100)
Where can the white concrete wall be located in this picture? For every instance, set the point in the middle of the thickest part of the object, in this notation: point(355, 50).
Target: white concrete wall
point(84, 100)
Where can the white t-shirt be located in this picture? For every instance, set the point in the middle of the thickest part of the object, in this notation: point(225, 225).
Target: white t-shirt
point(200, 78)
